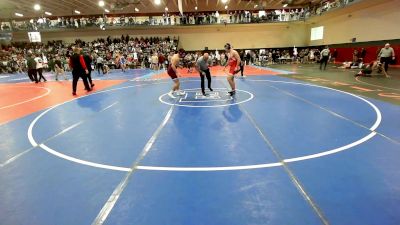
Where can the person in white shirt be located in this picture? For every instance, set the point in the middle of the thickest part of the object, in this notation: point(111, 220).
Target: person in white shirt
point(99, 63)
point(217, 56)
point(154, 61)
point(386, 56)
point(39, 68)
point(295, 53)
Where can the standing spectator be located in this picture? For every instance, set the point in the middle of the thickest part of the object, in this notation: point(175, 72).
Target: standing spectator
point(39, 68)
point(248, 57)
point(311, 55)
point(355, 56)
point(79, 70)
point(386, 55)
point(161, 61)
point(88, 62)
point(242, 63)
point(154, 61)
point(122, 63)
point(59, 68)
point(32, 73)
point(363, 53)
point(334, 55)
point(99, 65)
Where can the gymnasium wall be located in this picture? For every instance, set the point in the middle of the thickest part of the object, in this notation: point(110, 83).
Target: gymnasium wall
point(345, 51)
point(198, 37)
point(379, 20)
point(367, 21)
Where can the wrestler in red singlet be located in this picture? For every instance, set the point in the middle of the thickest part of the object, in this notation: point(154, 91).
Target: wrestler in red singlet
point(232, 65)
point(171, 73)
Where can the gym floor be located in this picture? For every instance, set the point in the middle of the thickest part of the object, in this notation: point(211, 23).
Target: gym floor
point(295, 146)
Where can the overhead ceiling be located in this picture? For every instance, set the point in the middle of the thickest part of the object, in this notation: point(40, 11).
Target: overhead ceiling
point(8, 8)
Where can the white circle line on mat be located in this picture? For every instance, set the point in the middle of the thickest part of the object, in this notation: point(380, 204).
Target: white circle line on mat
point(208, 169)
point(29, 100)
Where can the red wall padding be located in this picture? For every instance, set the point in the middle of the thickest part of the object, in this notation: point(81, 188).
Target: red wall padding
point(346, 54)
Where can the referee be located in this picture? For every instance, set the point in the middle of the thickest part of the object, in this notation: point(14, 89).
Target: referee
point(202, 67)
point(325, 55)
point(386, 55)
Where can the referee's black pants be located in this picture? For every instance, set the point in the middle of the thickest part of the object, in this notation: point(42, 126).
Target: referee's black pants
point(208, 75)
point(324, 60)
point(386, 61)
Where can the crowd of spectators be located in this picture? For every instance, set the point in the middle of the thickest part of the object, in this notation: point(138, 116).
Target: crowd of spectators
point(153, 52)
point(136, 51)
point(191, 18)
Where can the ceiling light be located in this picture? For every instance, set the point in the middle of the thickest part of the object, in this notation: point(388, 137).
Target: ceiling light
point(106, 10)
point(285, 5)
point(77, 12)
point(195, 8)
point(48, 13)
point(166, 8)
point(36, 7)
point(19, 14)
point(224, 1)
point(255, 6)
point(136, 10)
point(157, 2)
point(101, 3)
point(226, 7)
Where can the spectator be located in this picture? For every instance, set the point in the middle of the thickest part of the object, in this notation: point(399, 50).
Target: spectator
point(363, 53)
point(59, 69)
point(39, 68)
point(154, 61)
point(79, 70)
point(32, 73)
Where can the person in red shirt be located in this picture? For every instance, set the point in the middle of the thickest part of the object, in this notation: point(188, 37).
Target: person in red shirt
point(79, 70)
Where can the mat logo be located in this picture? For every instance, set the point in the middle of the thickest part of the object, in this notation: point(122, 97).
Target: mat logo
point(197, 96)
point(217, 98)
point(212, 95)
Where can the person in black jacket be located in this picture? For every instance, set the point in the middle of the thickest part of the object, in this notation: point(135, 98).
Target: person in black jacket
point(242, 56)
point(79, 70)
point(32, 73)
point(88, 62)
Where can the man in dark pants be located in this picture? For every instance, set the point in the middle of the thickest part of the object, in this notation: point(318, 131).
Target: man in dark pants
point(242, 63)
point(88, 62)
point(363, 53)
point(32, 73)
point(100, 65)
point(202, 67)
point(39, 68)
point(79, 70)
point(325, 57)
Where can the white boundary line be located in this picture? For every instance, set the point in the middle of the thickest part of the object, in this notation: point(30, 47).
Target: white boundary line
point(202, 169)
point(374, 85)
point(12, 159)
point(29, 100)
point(69, 158)
point(112, 200)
